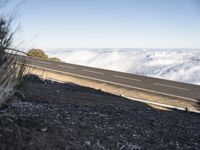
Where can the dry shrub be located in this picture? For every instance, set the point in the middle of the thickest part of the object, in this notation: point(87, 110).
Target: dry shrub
point(10, 71)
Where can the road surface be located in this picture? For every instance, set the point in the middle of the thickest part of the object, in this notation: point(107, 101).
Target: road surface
point(160, 86)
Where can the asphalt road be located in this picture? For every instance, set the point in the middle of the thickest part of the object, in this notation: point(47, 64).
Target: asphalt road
point(171, 88)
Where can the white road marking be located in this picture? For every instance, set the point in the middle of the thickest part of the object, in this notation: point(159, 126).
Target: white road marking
point(92, 71)
point(44, 62)
point(170, 86)
point(116, 76)
point(66, 67)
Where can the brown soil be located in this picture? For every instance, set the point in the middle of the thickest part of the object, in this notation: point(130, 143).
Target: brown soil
point(48, 115)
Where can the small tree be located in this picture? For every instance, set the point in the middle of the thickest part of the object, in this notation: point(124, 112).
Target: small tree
point(37, 53)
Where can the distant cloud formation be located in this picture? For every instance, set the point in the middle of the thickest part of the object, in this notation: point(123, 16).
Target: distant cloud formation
point(178, 65)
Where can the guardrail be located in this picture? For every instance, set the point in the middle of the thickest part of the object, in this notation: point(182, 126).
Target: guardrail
point(12, 49)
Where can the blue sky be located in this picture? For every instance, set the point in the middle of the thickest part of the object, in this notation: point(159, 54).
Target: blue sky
point(109, 23)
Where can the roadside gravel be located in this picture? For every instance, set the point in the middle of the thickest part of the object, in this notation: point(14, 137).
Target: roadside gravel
point(54, 116)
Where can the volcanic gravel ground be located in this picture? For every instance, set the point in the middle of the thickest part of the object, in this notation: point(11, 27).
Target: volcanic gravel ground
point(48, 115)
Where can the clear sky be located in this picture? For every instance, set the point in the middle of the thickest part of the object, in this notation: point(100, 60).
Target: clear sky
point(109, 23)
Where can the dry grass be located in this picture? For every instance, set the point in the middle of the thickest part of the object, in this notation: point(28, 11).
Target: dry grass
point(10, 72)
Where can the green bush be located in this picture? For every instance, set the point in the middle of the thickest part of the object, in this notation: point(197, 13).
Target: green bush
point(37, 53)
point(41, 54)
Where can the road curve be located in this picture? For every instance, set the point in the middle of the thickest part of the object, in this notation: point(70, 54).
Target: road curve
point(166, 87)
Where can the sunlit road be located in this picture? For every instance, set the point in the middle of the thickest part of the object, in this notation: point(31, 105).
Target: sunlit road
point(181, 90)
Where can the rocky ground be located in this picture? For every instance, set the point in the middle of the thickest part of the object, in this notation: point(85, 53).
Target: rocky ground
point(48, 115)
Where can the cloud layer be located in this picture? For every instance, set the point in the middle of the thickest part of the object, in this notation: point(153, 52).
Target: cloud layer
point(177, 65)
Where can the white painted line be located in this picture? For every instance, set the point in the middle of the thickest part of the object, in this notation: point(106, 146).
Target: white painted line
point(116, 76)
point(110, 82)
point(44, 62)
point(170, 86)
point(92, 71)
point(66, 67)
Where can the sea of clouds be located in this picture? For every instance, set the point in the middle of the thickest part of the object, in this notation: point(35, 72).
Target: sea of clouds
point(178, 65)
